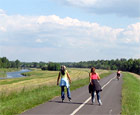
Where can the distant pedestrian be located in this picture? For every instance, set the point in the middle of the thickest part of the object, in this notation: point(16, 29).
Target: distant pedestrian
point(64, 82)
point(118, 74)
point(94, 86)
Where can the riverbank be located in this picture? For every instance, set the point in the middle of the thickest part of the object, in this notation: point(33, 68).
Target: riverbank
point(3, 71)
point(17, 74)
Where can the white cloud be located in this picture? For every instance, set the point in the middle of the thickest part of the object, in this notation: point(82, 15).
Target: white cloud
point(38, 41)
point(2, 11)
point(2, 29)
point(71, 37)
point(130, 8)
point(131, 34)
point(82, 3)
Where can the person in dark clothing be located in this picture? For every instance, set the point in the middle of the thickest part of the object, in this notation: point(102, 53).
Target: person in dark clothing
point(95, 86)
point(118, 74)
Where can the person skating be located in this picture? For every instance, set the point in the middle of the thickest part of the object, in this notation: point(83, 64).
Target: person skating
point(95, 86)
point(64, 82)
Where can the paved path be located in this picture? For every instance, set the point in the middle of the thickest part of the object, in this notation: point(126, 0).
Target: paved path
point(81, 103)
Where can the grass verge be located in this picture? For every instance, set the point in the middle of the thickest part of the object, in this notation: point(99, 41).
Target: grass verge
point(130, 95)
point(17, 102)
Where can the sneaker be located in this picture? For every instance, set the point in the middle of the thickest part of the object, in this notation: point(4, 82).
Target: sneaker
point(100, 102)
point(69, 99)
point(62, 100)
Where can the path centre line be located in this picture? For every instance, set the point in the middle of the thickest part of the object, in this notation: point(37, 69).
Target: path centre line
point(76, 110)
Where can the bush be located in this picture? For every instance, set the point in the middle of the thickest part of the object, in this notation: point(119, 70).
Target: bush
point(26, 74)
point(44, 68)
point(53, 66)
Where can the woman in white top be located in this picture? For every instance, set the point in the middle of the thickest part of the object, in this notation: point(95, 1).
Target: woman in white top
point(64, 82)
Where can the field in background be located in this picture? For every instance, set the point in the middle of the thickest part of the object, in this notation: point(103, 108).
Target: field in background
point(39, 87)
point(37, 78)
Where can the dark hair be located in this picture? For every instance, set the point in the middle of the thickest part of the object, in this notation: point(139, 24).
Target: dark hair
point(93, 70)
point(63, 69)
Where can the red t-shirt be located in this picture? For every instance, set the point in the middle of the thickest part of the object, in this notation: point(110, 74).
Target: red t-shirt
point(94, 76)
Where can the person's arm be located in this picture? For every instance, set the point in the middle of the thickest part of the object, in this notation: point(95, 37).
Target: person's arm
point(90, 79)
point(98, 77)
point(58, 78)
point(69, 77)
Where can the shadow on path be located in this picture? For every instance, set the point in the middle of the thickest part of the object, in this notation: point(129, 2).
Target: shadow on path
point(77, 103)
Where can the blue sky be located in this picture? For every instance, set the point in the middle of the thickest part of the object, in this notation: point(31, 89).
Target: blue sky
point(69, 30)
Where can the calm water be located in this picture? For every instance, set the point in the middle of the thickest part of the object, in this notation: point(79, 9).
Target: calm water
point(17, 73)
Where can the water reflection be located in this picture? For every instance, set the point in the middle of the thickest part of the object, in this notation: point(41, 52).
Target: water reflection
point(17, 73)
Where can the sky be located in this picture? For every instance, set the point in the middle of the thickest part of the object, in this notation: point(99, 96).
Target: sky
point(69, 30)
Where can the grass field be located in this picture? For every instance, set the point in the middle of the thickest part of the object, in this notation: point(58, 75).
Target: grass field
point(39, 78)
point(39, 87)
point(130, 95)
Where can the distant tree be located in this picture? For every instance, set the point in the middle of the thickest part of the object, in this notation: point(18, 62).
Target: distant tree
point(44, 68)
point(5, 62)
point(35, 65)
point(17, 62)
point(13, 64)
point(53, 66)
point(0, 63)
point(42, 64)
point(136, 66)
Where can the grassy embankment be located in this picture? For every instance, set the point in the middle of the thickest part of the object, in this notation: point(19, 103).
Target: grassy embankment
point(3, 71)
point(130, 95)
point(20, 94)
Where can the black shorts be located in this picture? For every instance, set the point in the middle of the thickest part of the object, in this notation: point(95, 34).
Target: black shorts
point(118, 74)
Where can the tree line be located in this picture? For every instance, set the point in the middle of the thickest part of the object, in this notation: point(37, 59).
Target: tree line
point(5, 63)
point(131, 65)
point(52, 66)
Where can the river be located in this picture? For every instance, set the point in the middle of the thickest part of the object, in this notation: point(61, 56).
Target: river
point(16, 74)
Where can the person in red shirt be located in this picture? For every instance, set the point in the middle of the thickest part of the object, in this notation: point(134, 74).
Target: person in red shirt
point(96, 87)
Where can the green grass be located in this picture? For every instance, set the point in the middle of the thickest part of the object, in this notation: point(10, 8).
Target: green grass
point(130, 95)
point(2, 74)
point(16, 103)
point(37, 77)
point(33, 75)
point(14, 80)
point(105, 74)
point(27, 99)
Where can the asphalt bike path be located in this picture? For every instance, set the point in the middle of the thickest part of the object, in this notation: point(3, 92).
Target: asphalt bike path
point(81, 102)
